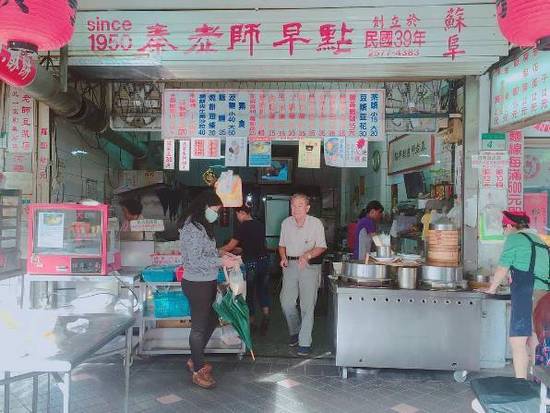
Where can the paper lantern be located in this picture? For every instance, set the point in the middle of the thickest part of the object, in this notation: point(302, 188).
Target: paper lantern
point(37, 24)
point(525, 22)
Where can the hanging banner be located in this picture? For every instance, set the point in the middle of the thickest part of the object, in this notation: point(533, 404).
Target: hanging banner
point(356, 153)
point(284, 114)
point(169, 154)
point(335, 151)
point(21, 121)
point(43, 164)
point(259, 153)
point(536, 207)
point(515, 171)
point(309, 153)
point(236, 148)
point(185, 155)
point(205, 148)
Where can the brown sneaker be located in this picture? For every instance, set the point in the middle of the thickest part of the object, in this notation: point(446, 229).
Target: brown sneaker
point(207, 366)
point(203, 379)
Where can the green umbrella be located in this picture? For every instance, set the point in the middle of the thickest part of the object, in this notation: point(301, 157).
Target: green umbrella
point(234, 310)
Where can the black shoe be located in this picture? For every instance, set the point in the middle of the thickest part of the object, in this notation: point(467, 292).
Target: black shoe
point(304, 351)
point(293, 342)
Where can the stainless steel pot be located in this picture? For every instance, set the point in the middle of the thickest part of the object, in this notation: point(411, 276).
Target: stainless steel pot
point(360, 270)
point(443, 224)
point(444, 274)
point(406, 277)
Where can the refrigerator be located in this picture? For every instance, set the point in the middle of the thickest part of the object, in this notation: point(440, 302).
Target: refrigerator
point(277, 208)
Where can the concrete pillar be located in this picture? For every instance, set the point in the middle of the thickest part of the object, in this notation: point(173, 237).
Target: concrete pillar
point(476, 120)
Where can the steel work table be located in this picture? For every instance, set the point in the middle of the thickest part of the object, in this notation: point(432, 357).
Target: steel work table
point(405, 329)
point(71, 350)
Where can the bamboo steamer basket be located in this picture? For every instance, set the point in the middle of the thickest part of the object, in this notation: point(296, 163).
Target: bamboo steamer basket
point(443, 244)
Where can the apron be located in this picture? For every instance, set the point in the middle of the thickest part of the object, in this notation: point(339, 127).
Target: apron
point(521, 290)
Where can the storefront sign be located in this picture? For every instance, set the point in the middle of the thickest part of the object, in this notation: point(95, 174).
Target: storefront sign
point(236, 148)
point(309, 153)
point(540, 130)
point(409, 152)
point(536, 207)
point(21, 121)
point(205, 148)
point(515, 171)
point(169, 154)
point(185, 154)
point(493, 142)
point(335, 151)
point(259, 153)
point(285, 38)
point(284, 114)
point(520, 91)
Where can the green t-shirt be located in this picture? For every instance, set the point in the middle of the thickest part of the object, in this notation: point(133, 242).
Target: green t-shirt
point(517, 253)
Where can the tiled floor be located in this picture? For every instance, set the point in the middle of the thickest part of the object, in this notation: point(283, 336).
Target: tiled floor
point(162, 384)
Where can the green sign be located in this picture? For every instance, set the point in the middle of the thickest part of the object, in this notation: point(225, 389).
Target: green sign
point(493, 142)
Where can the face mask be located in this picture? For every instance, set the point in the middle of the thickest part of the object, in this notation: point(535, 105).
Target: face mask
point(210, 215)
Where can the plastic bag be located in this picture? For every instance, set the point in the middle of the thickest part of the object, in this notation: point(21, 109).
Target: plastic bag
point(236, 280)
point(229, 188)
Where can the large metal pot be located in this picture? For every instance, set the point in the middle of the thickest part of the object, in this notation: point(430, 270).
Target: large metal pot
point(360, 270)
point(406, 277)
point(443, 274)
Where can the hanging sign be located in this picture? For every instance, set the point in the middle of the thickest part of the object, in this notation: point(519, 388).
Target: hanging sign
point(309, 153)
point(356, 153)
point(410, 152)
point(515, 171)
point(335, 151)
point(259, 153)
point(205, 148)
point(284, 114)
point(493, 142)
point(169, 154)
point(493, 167)
point(236, 151)
point(520, 91)
point(21, 121)
point(185, 155)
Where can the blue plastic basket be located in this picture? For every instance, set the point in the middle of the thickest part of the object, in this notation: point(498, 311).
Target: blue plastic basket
point(159, 274)
point(171, 304)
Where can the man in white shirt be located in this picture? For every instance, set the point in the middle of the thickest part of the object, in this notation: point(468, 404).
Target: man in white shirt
point(302, 240)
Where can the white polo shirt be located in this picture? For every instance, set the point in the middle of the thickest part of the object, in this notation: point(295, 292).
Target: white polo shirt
point(298, 240)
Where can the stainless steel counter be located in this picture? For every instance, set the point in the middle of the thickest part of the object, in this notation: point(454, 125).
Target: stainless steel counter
point(405, 329)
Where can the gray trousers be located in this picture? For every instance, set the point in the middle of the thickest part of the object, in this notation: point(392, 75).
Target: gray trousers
point(304, 284)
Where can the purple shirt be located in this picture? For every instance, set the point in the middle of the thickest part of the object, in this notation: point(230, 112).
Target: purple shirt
point(364, 223)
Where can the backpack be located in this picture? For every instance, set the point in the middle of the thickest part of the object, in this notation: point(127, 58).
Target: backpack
point(534, 246)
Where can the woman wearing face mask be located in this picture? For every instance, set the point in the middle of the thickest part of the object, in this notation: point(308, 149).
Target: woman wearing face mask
point(526, 257)
point(201, 261)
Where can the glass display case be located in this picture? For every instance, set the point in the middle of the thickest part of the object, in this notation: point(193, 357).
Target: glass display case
point(72, 239)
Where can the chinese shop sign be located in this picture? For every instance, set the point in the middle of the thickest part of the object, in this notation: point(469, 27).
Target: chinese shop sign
point(449, 33)
point(515, 171)
point(285, 114)
point(520, 91)
point(169, 154)
point(21, 121)
point(410, 152)
point(493, 166)
point(205, 148)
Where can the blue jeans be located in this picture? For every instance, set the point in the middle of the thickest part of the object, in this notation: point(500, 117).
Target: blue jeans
point(258, 283)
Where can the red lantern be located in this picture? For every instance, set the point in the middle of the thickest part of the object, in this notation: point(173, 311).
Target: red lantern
point(37, 24)
point(525, 22)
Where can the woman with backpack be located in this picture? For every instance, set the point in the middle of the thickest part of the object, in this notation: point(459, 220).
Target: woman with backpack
point(526, 258)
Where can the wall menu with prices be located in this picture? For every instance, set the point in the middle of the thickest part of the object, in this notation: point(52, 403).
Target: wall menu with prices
point(284, 114)
point(520, 91)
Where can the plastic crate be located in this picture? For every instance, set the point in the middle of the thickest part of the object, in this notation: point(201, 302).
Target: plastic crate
point(171, 304)
point(159, 274)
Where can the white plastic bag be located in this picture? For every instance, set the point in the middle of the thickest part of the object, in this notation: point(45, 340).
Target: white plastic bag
point(235, 278)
